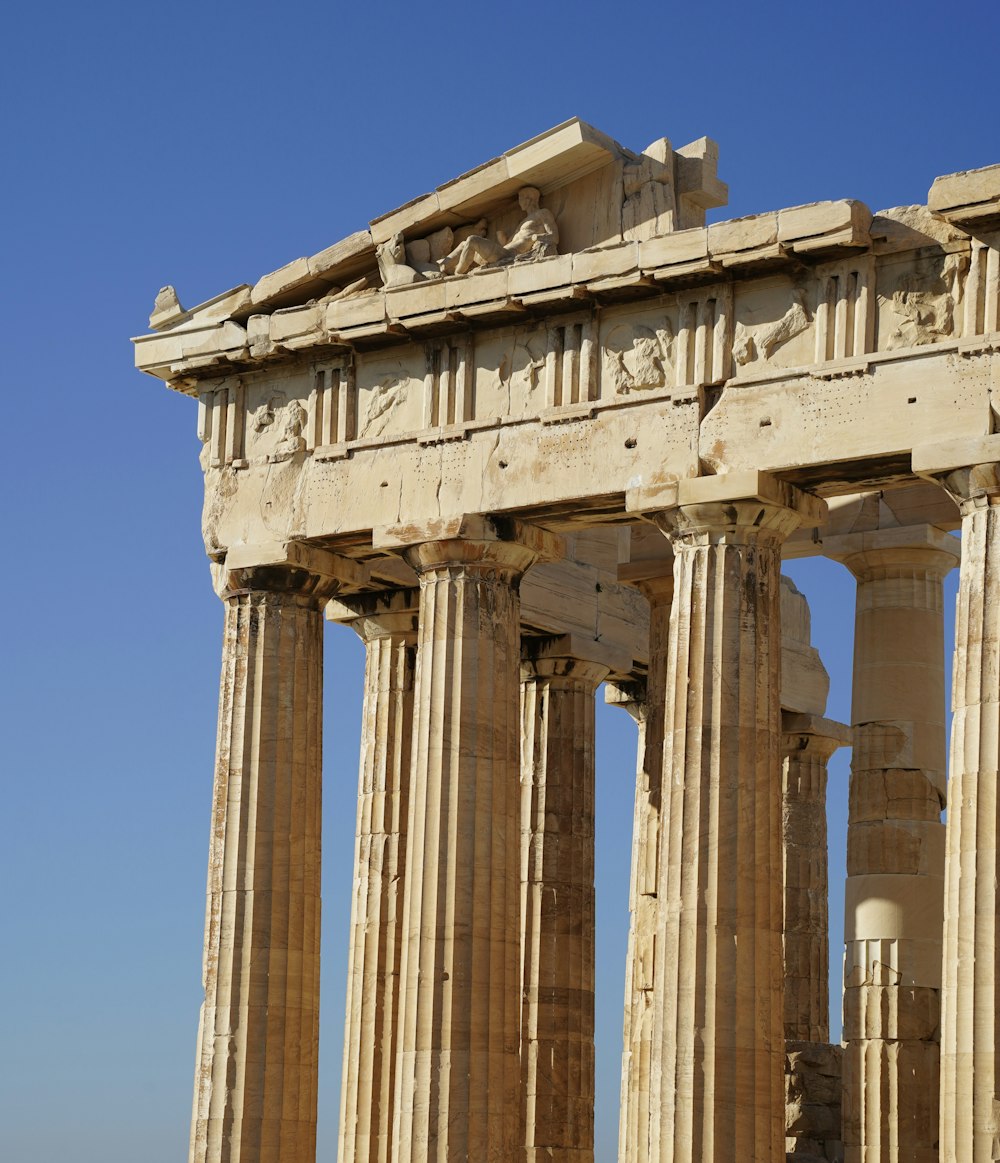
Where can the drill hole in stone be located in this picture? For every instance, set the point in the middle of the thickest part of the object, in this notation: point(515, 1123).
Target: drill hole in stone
point(631, 442)
point(503, 464)
point(766, 422)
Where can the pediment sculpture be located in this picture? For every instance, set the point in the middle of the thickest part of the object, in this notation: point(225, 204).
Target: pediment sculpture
point(456, 252)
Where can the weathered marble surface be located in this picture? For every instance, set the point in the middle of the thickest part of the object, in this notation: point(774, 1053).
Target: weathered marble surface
point(493, 395)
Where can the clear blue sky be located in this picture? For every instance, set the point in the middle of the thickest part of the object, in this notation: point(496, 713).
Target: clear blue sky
point(203, 145)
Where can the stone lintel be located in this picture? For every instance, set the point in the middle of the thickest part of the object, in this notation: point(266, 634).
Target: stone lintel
point(546, 545)
point(576, 646)
point(823, 730)
point(744, 485)
point(933, 460)
point(919, 537)
point(346, 609)
point(967, 198)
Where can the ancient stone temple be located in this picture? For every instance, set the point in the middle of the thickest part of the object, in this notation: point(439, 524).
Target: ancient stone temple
point(542, 429)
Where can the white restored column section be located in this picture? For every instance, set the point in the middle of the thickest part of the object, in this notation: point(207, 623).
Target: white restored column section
point(387, 623)
point(718, 1083)
point(256, 1075)
point(808, 741)
point(633, 1127)
point(894, 896)
point(458, 1068)
point(557, 875)
point(970, 1030)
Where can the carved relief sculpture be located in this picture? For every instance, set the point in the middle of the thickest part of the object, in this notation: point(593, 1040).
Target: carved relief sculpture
point(536, 237)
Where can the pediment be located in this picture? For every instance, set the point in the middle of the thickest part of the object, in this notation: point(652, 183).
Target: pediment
point(598, 192)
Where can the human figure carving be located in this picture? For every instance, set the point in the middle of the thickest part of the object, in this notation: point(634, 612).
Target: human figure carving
point(536, 237)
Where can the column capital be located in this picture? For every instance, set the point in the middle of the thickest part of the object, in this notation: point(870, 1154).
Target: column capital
point(967, 470)
point(750, 485)
point(378, 615)
point(288, 567)
point(737, 507)
point(570, 656)
point(630, 695)
point(917, 546)
point(812, 735)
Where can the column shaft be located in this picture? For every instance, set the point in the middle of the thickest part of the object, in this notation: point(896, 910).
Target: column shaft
point(557, 873)
point(255, 1088)
point(970, 1073)
point(895, 854)
point(807, 890)
point(640, 969)
point(458, 1070)
point(718, 1082)
point(371, 1027)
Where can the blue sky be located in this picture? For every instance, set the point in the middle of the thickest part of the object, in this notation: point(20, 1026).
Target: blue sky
point(203, 145)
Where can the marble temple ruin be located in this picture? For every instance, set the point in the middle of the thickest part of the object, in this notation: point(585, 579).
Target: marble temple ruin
point(543, 429)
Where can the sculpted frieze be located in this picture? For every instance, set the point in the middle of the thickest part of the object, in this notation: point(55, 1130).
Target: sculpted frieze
point(639, 357)
point(761, 333)
point(923, 300)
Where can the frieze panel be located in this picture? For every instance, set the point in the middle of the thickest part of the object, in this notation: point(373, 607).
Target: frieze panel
point(389, 391)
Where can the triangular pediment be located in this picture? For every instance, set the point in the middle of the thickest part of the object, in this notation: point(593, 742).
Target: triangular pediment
point(598, 192)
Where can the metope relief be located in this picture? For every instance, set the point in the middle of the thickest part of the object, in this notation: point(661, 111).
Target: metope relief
point(275, 425)
point(388, 395)
point(760, 338)
point(638, 357)
point(509, 373)
point(920, 302)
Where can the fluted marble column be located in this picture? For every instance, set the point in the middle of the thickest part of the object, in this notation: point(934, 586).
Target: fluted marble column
point(387, 623)
point(458, 1068)
point(631, 697)
point(970, 1025)
point(255, 1083)
point(808, 741)
point(557, 876)
point(633, 1127)
point(718, 1079)
point(895, 844)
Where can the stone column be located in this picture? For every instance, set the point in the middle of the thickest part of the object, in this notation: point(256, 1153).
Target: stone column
point(458, 1068)
point(895, 844)
point(633, 1130)
point(970, 1020)
point(718, 1081)
point(813, 1068)
point(388, 625)
point(256, 1075)
point(631, 697)
point(557, 876)
point(808, 741)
